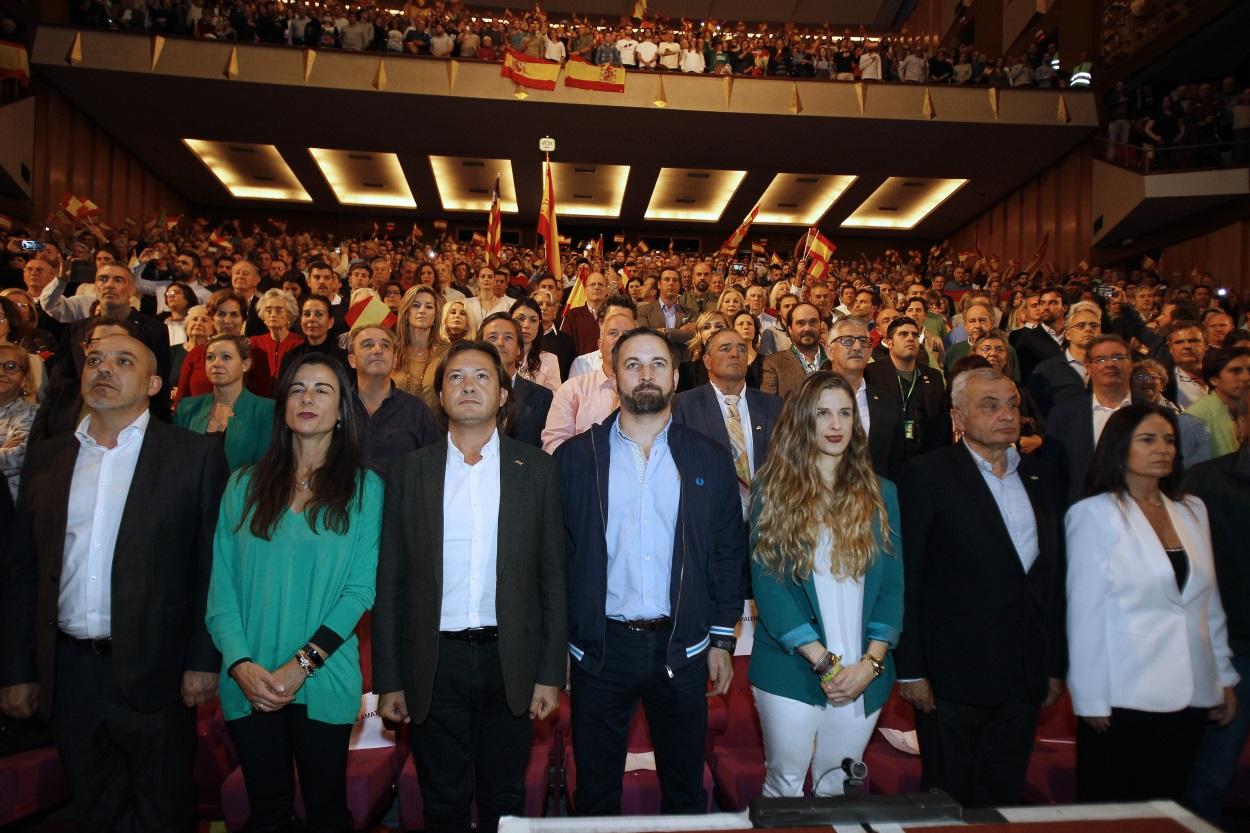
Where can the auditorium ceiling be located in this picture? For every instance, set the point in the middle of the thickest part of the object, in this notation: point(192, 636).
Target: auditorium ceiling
point(899, 161)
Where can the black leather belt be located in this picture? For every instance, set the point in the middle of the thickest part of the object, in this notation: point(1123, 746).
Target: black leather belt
point(99, 647)
point(472, 635)
point(661, 623)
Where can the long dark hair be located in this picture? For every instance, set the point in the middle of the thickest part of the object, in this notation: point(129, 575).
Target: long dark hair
point(1110, 464)
point(533, 358)
point(334, 486)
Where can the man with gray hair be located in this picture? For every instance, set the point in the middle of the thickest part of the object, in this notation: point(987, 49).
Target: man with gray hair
point(848, 348)
point(996, 584)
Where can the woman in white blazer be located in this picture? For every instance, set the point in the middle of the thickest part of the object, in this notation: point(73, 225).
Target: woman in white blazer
point(1149, 662)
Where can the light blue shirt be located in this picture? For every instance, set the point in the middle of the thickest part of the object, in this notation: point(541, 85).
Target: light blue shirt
point(1013, 504)
point(643, 497)
point(670, 313)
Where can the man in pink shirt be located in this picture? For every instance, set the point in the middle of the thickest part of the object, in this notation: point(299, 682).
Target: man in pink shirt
point(588, 398)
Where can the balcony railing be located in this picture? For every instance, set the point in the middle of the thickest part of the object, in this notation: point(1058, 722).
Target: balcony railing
point(1146, 158)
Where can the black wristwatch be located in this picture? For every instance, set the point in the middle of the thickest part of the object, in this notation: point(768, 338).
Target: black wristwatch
point(725, 643)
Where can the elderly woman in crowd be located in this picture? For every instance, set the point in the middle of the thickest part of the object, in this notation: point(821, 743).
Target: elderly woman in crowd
point(535, 364)
point(1147, 383)
point(316, 319)
point(12, 329)
point(731, 302)
point(692, 373)
point(16, 413)
point(278, 310)
point(827, 574)
point(418, 346)
point(199, 328)
point(294, 567)
point(34, 339)
point(241, 418)
point(1149, 662)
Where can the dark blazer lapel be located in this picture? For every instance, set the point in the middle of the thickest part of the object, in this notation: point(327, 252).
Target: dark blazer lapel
point(512, 474)
point(709, 417)
point(143, 485)
point(430, 485)
point(983, 505)
point(760, 429)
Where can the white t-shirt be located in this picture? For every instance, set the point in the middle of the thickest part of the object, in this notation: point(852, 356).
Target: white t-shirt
point(646, 52)
point(627, 47)
point(555, 50)
point(670, 54)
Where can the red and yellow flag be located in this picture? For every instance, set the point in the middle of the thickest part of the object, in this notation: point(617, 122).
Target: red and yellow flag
point(731, 245)
point(535, 73)
point(494, 228)
point(15, 62)
point(547, 227)
point(367, 310)
point(582, 74)
point(820, 251)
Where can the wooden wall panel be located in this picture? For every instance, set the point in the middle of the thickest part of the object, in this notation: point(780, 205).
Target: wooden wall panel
point(1056, 201)
point(73, 155)
point(1225, 253)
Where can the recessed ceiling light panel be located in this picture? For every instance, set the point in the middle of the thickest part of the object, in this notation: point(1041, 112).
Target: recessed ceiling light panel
point(466, 184)
point(698, 196)
point(801, 199)
point(902, 203)
point(249, 172)
point(362, 178)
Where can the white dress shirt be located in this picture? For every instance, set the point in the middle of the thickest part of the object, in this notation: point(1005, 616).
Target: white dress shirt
point(861, 404)
point(1102, 413)
point(1188, 389)
point(744, 413)
point(470, 538)
point(97, 497)
point(1013, 504)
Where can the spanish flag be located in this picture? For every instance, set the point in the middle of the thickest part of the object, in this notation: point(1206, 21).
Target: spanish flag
point(820, 251)
point(535, 73)
point(15, 63)
point(580, 73)
point(367, 310)
point(547, 225)
point(494, 227)
point(735, 240)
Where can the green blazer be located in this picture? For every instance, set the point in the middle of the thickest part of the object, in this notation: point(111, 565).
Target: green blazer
point(247, 437)
point(788, 615)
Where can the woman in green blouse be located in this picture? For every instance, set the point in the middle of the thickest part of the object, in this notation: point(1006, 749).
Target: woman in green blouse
point(241, 418)
point(294, 563)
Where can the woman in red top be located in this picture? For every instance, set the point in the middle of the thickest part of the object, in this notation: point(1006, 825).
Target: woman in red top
point(277, 308)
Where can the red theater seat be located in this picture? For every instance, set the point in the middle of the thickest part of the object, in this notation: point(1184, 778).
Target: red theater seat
point(30, 782)
point(1051, 778)
point(738, 752)
point(215, 759)
point(891, 772)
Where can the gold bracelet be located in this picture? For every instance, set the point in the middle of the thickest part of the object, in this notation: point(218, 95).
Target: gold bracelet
point(877, 665)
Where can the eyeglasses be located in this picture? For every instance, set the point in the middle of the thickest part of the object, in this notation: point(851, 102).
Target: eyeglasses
point(851, 341)
point(1114, 357)
point(1148, 377)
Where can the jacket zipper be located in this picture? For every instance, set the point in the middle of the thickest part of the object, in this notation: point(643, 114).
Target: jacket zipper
point(681, 574)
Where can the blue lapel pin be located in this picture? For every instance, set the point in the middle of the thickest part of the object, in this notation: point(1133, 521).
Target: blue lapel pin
point(698, 481)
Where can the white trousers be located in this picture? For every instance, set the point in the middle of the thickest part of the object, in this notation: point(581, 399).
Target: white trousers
point(798, 737)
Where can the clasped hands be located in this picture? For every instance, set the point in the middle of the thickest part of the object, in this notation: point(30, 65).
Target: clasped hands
point(848, 684)
point(269, 691)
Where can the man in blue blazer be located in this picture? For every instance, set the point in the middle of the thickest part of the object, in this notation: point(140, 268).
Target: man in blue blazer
point(657, 549)
point(706, 408)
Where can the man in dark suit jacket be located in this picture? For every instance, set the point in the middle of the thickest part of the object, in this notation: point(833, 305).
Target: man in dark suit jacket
point(116, 664)
point(1063, 375)
point(528, 402)
point(1071, 430)
point(882, 419)
point(914, 391)
point(652, 313)
point(705, 408)
point(469, 626)
point(983, 631)
point(1035, 345)
point(785, 370)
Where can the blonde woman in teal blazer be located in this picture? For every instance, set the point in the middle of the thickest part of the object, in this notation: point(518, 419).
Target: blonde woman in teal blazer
point(245, 419)
point(829, 599)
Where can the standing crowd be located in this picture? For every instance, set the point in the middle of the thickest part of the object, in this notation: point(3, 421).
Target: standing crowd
point(984, 485)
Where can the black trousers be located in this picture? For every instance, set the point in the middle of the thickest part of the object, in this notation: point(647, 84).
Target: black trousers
point(128, 770)
point(470, 745)
point(1142, 756)
point(978, 754)
point(604, 706)
point(267, 742)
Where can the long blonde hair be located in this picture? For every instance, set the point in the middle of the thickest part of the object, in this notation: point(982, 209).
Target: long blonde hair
point(403, 336)
point(796, 504)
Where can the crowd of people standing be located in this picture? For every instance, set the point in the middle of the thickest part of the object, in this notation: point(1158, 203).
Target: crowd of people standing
point(978, 483)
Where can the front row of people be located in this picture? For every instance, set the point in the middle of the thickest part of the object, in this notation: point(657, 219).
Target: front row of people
point(489, 565)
